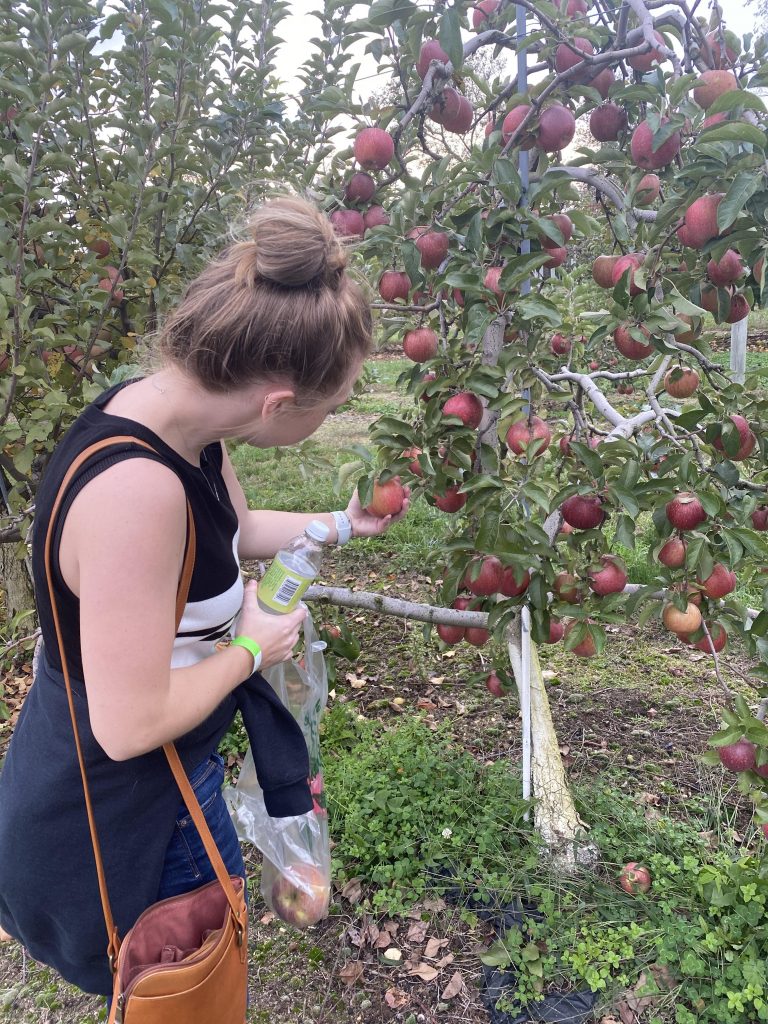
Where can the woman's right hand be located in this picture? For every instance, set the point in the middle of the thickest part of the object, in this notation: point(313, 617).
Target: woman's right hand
point(277, 635)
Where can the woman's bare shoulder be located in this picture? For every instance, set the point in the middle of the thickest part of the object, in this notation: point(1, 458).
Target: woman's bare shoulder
point(134, 509)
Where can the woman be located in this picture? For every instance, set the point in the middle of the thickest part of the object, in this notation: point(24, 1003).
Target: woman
point(266, 342)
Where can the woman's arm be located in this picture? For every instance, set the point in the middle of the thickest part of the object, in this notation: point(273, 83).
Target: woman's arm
point(264, 532)
point(127, 527)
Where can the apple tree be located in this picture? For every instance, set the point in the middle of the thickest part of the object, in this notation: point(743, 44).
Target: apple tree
point(130, 137)
point(551, 431)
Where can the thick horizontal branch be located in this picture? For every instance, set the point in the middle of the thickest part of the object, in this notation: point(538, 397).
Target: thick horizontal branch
point(608, 188)
point(367, 601)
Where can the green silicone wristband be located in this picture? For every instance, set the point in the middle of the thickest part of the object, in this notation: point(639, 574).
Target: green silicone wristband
point(253, 649)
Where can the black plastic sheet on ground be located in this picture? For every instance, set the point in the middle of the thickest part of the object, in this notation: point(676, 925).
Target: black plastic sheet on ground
point(556, 1008)
point(576, 1007)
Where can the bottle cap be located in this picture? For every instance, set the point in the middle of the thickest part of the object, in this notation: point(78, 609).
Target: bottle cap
point(318, 531)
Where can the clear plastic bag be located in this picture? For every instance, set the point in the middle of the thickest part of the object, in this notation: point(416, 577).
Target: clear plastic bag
point(296, 873)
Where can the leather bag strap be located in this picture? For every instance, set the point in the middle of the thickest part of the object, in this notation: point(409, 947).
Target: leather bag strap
point(236, 903)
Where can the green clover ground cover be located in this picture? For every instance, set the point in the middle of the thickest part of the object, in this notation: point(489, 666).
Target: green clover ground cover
point(414, 815)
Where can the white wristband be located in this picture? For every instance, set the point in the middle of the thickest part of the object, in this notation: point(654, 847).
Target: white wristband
point(343, 527)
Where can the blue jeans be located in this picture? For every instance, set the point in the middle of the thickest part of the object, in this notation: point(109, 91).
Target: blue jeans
point(187, 866)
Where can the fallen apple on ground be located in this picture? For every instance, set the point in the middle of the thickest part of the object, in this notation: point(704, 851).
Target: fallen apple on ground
point(634, 878)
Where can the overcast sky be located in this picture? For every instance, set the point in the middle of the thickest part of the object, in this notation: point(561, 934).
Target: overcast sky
point(300, 28)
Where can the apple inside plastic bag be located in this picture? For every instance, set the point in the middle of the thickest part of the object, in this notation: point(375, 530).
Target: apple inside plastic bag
point(299, 893)
point(296, 872)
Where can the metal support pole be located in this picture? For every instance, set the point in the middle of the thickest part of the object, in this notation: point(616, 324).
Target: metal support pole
point(525, 682)
point(739, 350)
point(525, 699)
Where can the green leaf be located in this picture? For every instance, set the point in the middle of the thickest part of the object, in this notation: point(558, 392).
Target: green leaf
point(624, 499)
point(625, 531)
point(496, 955)
point(449, 36)
point(737, 98)
point(588, 458)
point(742, 188)
point(532, 306)
point(737, 131)
point(384, 13)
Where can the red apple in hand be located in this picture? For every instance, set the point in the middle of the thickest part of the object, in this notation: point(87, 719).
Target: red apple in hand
point(301, 899)
point(387, 499)
point(635, 878)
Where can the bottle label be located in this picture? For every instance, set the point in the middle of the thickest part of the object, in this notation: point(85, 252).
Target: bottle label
point(282, 588)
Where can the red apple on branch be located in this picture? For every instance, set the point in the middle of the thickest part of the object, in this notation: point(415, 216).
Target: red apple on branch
point(393, 285)
point(681, 382)
point(374, 148)
point(673, 553)
point(467, 407)
point(720, 582)
point(739, 756)
point(450, 500)
point(420, 344)
point(611, 578)
point(486, 579)
point(583, 511)
point(534, 433)
point(685, 511)
point(608, 122)
point(494, 685)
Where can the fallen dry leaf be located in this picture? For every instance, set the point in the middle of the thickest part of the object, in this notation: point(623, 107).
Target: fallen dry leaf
point(435, 905)
point(445, 961)
point(437, 680)
point(355, 936)
point(424, 704)
point(417, 931)
point(434, 946)
point(353, 890)
point(423, 971)
point(356, 682)
point(370, 931)
point(351, 973)
point(396, 998)
point(649, 798)
point(387, 932)
point(454, 986)
point(627, 1015)
point(267, 918)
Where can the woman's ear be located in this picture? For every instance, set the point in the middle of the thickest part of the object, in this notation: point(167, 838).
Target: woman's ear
point(278, 402)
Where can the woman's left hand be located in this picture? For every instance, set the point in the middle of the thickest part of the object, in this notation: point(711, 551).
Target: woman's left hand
point(364, 524)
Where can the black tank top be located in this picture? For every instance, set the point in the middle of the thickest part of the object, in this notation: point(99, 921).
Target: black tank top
point(216, 590)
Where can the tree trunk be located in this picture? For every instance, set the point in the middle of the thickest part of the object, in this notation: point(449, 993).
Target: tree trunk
point(16, 584)
point(555, 817)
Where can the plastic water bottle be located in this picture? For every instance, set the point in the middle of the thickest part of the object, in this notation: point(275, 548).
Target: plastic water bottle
point(294, 568)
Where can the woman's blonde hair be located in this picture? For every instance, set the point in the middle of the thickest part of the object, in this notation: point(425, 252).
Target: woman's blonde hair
point(281, 304)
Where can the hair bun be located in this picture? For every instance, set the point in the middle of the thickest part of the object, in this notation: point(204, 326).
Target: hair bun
point(294, 245)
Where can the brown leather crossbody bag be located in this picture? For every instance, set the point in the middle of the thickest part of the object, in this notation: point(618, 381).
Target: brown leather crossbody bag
point(185, 959)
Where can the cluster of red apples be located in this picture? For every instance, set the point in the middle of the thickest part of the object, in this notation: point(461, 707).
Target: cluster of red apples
point(374, 149)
